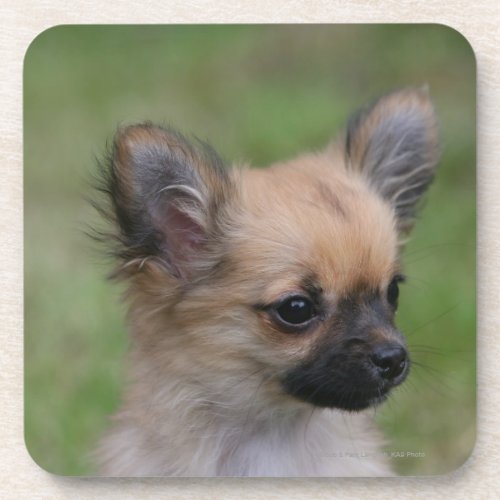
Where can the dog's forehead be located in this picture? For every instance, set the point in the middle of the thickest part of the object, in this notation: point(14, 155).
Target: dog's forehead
point(311, 219)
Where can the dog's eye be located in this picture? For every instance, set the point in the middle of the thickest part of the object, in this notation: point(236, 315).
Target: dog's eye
point(393, 291)
point(295, 311)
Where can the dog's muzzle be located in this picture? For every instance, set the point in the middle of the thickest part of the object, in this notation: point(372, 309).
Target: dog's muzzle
point(351, 377)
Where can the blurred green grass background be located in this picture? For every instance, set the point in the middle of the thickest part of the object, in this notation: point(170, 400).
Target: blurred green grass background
point(258, 93)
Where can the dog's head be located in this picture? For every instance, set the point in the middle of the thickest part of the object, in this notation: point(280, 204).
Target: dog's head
point(292, 271)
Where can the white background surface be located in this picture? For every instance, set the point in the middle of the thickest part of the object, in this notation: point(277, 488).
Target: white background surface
point(479, 22)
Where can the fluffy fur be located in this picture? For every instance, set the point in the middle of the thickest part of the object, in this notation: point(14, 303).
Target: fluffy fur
point(218, 383)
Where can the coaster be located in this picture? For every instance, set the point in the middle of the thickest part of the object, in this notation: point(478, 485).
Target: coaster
point(250, 250)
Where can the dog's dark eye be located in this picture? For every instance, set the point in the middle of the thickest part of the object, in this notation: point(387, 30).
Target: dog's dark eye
point(295, 311)
point(393, 291)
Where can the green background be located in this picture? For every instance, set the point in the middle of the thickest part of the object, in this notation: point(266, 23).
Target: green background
point(257, 93)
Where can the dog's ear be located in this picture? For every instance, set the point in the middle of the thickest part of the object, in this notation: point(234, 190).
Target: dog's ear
point(166, 196)
point(394, 143)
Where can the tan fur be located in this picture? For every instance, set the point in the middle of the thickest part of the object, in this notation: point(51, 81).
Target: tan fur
point(190, 339)
point(204, 397)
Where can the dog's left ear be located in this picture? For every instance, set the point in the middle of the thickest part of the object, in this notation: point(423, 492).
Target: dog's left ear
point(394, 143)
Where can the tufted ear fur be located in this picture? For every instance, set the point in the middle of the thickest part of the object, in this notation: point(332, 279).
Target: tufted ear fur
point(167, 196)
point(394, 143)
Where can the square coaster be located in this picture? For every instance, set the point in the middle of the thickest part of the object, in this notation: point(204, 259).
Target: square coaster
point(286, 214)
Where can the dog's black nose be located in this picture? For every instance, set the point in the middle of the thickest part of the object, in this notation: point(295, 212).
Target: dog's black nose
point(390, 360)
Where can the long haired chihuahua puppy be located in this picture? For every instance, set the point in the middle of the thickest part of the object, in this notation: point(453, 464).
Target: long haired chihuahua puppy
point(262, 301)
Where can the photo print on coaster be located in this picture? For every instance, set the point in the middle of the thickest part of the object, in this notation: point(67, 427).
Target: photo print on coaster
point(250, 250)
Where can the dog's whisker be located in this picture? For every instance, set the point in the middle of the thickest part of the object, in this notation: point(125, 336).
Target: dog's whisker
point(432, 320)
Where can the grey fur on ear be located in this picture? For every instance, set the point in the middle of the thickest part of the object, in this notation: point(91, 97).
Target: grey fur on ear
point(395, 144)
point(166, 194)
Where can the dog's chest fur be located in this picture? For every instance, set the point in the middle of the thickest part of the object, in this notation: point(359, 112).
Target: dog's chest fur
point(311, 442)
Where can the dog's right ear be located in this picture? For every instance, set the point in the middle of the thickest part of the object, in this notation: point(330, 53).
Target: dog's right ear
point(166, 196)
